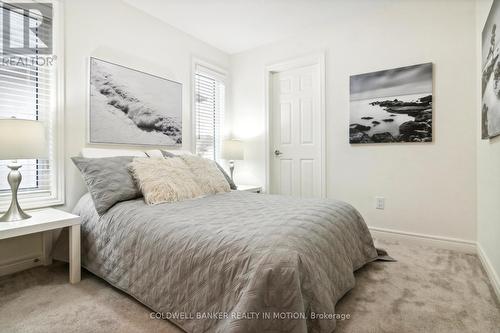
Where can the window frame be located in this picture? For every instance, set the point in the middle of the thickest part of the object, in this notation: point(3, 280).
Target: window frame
point(35, 198)
point(223, 76)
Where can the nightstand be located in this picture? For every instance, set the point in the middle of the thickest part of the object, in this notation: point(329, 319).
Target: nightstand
point(249, 188)
point(47, 220)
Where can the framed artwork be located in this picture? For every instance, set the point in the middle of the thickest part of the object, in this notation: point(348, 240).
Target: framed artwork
point(131, 107)
point(393, 105)
point(490, 81)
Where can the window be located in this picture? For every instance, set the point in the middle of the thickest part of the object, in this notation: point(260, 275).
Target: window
point(209, 99)
point(29, 84)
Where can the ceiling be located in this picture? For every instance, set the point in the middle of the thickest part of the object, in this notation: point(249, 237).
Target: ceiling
point(237, 25)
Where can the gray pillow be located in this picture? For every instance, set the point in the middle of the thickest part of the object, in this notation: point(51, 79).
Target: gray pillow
point(108, 180)
point(232, 185)
point(166, 154)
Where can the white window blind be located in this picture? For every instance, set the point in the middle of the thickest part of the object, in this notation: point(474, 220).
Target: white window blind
point(28, 90)
point(209, 95)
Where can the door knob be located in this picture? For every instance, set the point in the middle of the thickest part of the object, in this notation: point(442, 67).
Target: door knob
point(277, 153)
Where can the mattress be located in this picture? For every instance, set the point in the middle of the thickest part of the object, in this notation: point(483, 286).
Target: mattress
point(232, 262)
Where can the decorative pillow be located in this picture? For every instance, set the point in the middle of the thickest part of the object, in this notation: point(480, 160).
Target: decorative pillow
point(176, 152)
point(232, 185)
point(167, 154)
point(108, 180)
point(153, 153)
point(164, 180)
point(206, 174)
point(103, 152)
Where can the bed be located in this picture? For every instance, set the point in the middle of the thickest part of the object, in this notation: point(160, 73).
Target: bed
point(231, 262)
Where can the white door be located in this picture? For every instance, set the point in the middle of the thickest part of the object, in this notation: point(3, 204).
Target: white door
point(296, 132)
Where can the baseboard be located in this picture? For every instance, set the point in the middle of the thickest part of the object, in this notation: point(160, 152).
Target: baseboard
point(416, 238)
point(488, 267)
point(20, 264)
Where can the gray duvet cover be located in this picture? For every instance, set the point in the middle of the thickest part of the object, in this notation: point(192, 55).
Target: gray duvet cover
point(233, 262)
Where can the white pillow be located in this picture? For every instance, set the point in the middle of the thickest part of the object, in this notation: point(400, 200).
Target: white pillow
point(179, 152)
point(158, 152)
point(154, 153)
point(101, 152)
point(164, 180)
point(207, 175)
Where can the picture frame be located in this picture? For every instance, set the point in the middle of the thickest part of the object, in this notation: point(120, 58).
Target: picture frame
point(392, 106)
point(131, 107)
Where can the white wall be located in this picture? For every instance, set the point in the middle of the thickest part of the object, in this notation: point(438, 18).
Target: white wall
point(114, 31)
point(429, 188)
point(488, 167)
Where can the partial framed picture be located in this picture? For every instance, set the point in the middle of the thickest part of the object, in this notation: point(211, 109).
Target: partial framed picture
point(391, 106)
point(490, 80)
point(127, 106)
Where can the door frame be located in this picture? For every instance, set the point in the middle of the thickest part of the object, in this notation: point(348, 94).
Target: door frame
point(308, 60)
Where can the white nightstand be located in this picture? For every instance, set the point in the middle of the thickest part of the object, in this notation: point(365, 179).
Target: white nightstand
point(46, 220)
point(249, 188)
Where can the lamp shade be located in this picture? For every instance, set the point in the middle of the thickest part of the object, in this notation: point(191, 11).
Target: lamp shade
point(22, 139)
point(232, 150)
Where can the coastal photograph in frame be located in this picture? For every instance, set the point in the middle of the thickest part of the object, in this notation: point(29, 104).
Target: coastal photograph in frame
point(490, 80)
point(131, 107)
point(392, 105)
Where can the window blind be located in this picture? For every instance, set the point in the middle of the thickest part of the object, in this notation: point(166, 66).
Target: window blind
point(209, 111)
point(28, 91)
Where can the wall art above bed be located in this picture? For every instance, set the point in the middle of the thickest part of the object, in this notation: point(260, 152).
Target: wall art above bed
point(132, 107)
point(392, 105)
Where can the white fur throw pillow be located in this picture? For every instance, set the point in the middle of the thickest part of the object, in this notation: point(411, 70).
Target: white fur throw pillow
point(164, 180)
point(207, 175)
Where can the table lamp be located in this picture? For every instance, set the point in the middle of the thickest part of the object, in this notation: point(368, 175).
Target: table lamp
point(19, 139)
point(232, 150)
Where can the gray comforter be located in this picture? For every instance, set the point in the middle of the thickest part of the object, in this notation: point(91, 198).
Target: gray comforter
point(232, 262)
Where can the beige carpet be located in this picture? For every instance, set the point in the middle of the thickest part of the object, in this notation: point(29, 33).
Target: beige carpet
point(427, 290)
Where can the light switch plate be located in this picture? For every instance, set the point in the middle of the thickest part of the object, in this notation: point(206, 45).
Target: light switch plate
point(380, 202)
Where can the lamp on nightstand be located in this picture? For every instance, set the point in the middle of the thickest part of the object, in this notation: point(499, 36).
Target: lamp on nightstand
point(19, 139)
point(232, 150)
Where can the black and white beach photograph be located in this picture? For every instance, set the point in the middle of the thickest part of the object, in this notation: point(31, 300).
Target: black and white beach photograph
point(132, 107)
point(490, 109)
point(392, 105)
